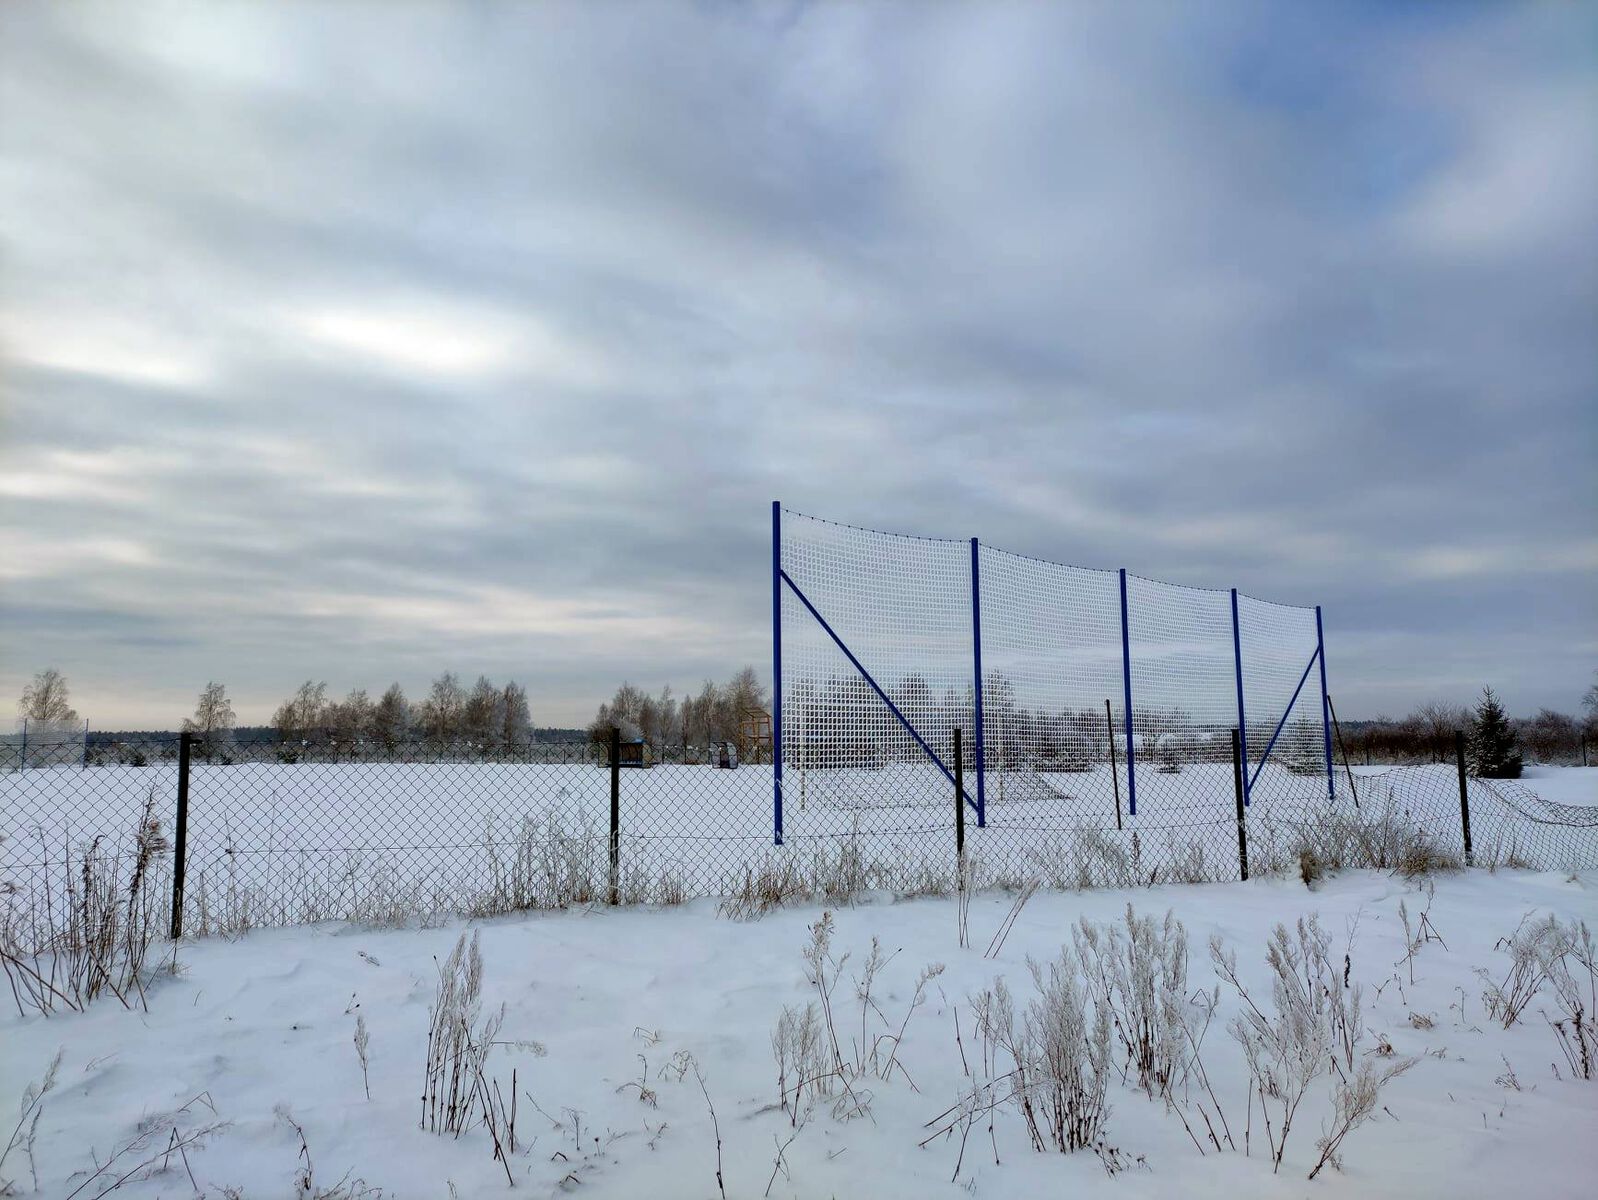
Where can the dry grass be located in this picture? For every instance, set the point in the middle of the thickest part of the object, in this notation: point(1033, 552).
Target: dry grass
point(27, 1127)
point(96, 940)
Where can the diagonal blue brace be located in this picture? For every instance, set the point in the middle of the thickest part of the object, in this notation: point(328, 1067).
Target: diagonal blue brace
point(881, 695)
point(1313, 659)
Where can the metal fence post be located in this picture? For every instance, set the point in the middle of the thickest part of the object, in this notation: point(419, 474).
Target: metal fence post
point(1464, 795)
point(1126, 686)
point(24, 764)
point(1115, 777)
point(1242, 720)
point(776, 672)
point(976, 653)
point(180, 845)
point(615, 815)
point(1237, 789)
point(959, 797)
point(1326, 706)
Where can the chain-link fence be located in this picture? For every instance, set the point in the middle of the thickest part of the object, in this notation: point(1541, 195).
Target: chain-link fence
point(313, 831)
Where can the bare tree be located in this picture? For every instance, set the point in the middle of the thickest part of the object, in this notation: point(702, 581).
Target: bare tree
point(302, 713)
point(391, 718)
point(350, 720)
point(483, 714)
point(443, 711)
point(517, 724)
point(44, 703)
point(1439, 720)
point(212, 721)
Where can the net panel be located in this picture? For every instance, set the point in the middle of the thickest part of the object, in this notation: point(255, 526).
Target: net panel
point(902, 605)
point(1051, 655)
point(1184, 690)
point(1282, 697)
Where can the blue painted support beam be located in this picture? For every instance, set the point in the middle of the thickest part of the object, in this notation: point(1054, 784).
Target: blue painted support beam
point(976, 651)
point(1313, 658)
point(1242, 719)
point(1326, 707)
point(866, 675)
point(1126, 687)
point(776, 672)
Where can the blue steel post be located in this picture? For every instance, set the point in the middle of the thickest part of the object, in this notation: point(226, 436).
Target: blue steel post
point(1326, 720)
point(776, 672)
point(1242, 723)
point(976, 652)
point(1126, 685)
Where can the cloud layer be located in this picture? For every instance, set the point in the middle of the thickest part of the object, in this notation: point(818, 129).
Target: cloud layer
point(362, 342)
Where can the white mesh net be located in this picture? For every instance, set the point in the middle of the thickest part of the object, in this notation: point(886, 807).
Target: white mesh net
point(879, 649)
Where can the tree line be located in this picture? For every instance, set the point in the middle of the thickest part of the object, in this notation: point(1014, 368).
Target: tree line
point(841, 720)
point(485, 716)
point(728, 712)
point(1426, 734)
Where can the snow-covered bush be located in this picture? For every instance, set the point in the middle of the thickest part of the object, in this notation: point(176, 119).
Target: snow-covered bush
point(1058, 1056)
point(1287, 1048)
point(1537, 952)
point(1138, 973)
point(811, 1057)
point(1577, 991)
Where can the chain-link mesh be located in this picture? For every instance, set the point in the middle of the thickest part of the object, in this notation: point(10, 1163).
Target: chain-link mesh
point(287, 833)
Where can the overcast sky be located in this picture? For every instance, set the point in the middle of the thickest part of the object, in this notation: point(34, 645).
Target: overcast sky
point(362, 342)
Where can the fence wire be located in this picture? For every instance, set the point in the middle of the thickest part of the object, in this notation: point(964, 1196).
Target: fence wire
point(311, 831)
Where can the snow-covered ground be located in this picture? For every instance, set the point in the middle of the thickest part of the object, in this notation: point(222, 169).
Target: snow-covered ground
point(264, 1025)
point(1560, 785)
point(1563, 785)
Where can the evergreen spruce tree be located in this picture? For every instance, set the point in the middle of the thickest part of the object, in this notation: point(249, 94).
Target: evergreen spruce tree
point(1492, 750)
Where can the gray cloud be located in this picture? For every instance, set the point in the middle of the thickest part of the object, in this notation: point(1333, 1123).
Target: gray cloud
point(361, 343)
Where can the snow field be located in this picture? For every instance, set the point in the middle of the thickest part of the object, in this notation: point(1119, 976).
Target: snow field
point(266, 1022)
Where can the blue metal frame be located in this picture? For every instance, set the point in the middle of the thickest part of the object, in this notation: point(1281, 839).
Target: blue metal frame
point(776, 672)
point(1280, 724)
point(866, 675)
point(1242, 720)
point(1126, 685)
point(1326, 707)
point(976, 650)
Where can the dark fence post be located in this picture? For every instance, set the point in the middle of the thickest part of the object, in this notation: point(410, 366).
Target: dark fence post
point(180, 847)
point(1115, 771)
point(615, 815)
point(1237, 788)
point(959, 796)
point(1464, 795)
